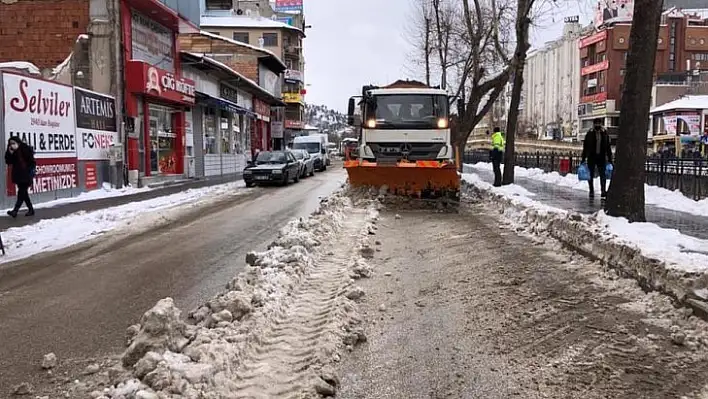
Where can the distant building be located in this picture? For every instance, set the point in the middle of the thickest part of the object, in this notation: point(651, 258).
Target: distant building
point(551, 81)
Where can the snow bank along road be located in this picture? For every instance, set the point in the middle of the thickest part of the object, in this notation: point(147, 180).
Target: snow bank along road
point(372, 300)
point(77, 302)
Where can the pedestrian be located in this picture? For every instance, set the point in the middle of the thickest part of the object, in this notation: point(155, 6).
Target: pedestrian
point(20, 157)
point(498, 144)
point(598, 153)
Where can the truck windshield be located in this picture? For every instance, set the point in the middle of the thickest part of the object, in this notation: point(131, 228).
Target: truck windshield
point(312, 148)
point(407, 111)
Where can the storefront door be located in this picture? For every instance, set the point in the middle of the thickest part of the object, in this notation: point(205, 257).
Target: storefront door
point(162, 140)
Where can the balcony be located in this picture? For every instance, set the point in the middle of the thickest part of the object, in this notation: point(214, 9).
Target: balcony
point(292, 51)
point(293, 98)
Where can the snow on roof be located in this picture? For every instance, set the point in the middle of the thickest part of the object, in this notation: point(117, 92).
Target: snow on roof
point(22, 65)
point(225, 67)
point(686, 102)
point(241, 21)
point(242, 44)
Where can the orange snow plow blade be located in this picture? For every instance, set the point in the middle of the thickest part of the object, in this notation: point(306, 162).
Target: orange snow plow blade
point(421, 179)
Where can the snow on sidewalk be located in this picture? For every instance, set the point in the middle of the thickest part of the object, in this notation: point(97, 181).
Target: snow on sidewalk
point(54, 234)
point(657, 196)
point(679, 251)
point(103, 193)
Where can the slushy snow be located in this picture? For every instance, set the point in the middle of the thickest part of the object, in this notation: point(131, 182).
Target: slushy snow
point(54, 234)
point(296, 297)
point(657, 196)
point(679, 251)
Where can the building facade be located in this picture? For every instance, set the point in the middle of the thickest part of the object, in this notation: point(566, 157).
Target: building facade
point(551, 81)
point(682, 48)
point(280, 31)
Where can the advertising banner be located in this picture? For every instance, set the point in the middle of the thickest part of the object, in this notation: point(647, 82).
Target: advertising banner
point(613, 11)
point(288, 5)
point(96, 126)
point(53, 174)
point(151, 42)
point(693, 122)
point(670, 125)
point(276, 130)
point(91, 175)
point(41, 114)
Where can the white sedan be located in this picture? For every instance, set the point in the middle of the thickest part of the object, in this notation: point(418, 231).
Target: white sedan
point(307, 163)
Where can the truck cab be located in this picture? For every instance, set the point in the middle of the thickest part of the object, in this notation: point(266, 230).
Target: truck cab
point(404, 121)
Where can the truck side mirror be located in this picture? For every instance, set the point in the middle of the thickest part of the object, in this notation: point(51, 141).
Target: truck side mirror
point(350, 111)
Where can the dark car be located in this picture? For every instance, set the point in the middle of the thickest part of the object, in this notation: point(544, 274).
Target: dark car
point(272, 167)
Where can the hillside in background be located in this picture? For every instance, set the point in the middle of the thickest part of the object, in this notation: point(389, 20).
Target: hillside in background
point(328, 121)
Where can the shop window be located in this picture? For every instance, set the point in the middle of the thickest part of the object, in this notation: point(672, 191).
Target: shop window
point(226, 133)
point(270, 39)
point(210, 132)
point(163, 140)
point(241, 37)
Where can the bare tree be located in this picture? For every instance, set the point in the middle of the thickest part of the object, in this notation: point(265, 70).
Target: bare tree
point(419, 33)
point(626, 194)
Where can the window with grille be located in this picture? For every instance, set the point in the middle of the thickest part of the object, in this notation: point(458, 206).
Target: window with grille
point(270, 39)
point(241, 37)
point(219, 4)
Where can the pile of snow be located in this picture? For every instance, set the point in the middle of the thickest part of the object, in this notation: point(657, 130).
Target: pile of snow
point(54, 234)
point(222, 349)
point(645, 250)
point(22, 66)
point(654, 195)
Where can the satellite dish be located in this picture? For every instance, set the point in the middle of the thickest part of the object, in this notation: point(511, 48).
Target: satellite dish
point(239, 12)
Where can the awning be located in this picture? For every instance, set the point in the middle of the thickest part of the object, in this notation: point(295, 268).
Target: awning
point(223, 104)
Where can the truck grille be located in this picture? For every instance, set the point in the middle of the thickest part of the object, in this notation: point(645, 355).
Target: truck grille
point(410, 151)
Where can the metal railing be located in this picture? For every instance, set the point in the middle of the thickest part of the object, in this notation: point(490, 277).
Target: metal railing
point(687, 175)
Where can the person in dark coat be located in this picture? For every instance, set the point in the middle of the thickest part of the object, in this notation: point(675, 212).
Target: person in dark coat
point(20, 157)
point(598, 153)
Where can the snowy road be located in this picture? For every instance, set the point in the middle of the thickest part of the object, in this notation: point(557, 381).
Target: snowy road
point(78, 302)
point(461, 308)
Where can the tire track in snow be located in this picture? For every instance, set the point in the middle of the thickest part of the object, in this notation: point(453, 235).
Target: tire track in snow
point(306, 334)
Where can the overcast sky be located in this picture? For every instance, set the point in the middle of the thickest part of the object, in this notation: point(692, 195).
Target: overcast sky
point(357, 42)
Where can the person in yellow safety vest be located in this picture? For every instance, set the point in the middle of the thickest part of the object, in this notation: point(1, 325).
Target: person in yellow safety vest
point(498, 145)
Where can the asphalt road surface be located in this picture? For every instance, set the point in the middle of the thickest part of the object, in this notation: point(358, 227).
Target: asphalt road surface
point(78, 302)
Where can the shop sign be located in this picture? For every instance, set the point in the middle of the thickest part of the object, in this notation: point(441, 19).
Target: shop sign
point(594, 98)
point(670, 125)
point(41, 114)
point(53, 174)
point(286, 20)
point(592, 39)
point(292, 75)
point(276, 130)
point(292, 98)
point(600, 66)
point(288, 5)
point(152, 42)
point(228, 93)
point(90, 176)
point(693, 122)
point(291, 124)
point(95, 124)
point(260, 108)
point(157, 82)
point(599, 108)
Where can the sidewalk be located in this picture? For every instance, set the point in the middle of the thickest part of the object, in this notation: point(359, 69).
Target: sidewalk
point(578, 201)
point(62, 210)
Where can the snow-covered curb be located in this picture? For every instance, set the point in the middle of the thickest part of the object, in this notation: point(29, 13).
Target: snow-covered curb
point(55, 234)
point(222, 349)
point(588, 235)
point(657, 196)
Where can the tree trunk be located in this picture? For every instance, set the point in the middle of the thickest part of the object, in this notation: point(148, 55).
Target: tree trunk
point(625, 197)
point(518, 62)
point(427, 51)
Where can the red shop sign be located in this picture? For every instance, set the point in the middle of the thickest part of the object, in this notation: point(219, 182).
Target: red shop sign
point(147, 79)
point(594, 98)
point(600, 66)
point(290, 124)
point(592, 39)
point(261, 108)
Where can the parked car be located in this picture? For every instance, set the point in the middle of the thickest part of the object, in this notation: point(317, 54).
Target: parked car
point(316, 145)
point(307, 163)
point(279, 167)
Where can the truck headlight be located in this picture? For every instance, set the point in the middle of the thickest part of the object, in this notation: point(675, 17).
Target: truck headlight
point(371, 123)
point(442, 123)
point(277, 172)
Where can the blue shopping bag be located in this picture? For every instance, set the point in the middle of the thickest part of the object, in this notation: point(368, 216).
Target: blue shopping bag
point(583, 172)
point(608, 170)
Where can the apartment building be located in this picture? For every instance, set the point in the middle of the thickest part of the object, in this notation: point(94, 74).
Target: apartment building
point(281, 31)
point(682, 48)
point(551, 79)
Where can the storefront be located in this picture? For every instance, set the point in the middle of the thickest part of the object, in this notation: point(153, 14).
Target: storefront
point(261, 139)
point(679, 127)
point(158, 98)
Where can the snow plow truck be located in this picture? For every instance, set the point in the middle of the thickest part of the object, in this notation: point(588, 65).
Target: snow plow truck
point(404, 141)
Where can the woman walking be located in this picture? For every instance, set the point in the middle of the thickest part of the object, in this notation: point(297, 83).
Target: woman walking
point(21, 157)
